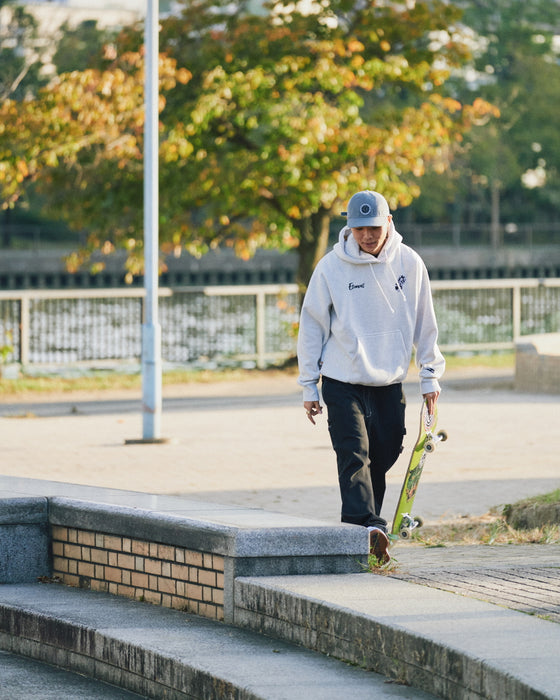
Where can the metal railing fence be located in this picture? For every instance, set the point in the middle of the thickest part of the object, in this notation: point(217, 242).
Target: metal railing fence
point(209, 326)
point(482, 234)
point(494, 314)
point(256, 325)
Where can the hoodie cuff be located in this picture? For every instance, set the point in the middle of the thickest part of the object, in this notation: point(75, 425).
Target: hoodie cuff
point(310, 392)
point(429, 385)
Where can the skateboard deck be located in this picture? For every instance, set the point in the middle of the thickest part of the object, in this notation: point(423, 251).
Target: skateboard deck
point(403, 522)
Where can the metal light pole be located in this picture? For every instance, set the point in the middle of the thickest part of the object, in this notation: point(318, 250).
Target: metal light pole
point(151, 330)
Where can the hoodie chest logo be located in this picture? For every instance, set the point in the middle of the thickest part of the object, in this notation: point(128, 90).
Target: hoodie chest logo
point(353, 285)
point(399, 284)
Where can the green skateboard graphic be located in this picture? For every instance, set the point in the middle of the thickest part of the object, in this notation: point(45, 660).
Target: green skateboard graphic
point(403, 522)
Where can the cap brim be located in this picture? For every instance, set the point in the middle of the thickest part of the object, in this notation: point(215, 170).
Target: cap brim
point(367, 221)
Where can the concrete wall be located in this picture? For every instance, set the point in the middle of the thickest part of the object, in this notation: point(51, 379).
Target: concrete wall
point(45, 269)
point(537, 364)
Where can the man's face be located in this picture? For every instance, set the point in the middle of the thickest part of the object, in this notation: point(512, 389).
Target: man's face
point(371, 239)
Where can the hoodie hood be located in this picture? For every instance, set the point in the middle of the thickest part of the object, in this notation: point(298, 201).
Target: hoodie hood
point(347, 249)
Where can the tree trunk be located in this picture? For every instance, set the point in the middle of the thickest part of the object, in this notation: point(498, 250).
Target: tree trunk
point(314, 239)
point(5, 233)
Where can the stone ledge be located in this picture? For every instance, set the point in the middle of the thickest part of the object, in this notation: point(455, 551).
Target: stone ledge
point(204, 535)
point(19, 511)
point(89, 545)
point(537, 363)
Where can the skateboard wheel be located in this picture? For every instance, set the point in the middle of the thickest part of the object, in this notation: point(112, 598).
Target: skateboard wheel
point(404, 533)
point(429, 446)
point(442, 435)
point(418, 522)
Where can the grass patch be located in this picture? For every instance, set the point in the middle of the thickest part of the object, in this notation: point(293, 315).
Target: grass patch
point(534, 511)
point(492, 528)
point(494, 360)
point(489, 529)
point(376, 566)
point(107, 380)
point(545, 498)
point(113, 380)
point(52, 384)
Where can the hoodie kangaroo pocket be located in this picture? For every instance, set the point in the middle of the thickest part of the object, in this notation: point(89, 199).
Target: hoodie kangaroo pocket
point(381, 356)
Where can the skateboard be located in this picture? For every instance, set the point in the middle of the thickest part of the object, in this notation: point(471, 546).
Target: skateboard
point(403, 522)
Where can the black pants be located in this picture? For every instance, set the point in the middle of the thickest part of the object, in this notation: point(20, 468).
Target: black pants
point(366, 425)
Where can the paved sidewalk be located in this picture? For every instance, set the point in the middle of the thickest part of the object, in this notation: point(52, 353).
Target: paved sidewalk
point(525, 578)
point(250, 444)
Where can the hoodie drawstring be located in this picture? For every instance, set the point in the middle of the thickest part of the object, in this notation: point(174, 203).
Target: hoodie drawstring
point(371, 267)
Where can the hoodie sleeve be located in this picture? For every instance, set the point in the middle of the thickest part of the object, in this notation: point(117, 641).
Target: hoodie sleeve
point(314, 330)
point(428, 356)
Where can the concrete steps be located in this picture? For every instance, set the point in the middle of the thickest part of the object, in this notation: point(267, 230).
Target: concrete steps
point(450, 645)
point(299, 621)
point(162, 653)
point(24, 678)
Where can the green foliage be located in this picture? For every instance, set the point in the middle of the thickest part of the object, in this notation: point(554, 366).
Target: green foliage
point(7, 348)
point(290, 114)
point(515, 66)
point(82, 47)
point(269, 123)
point(551, 497)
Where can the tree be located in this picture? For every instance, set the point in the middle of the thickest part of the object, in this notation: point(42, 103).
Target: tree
point(511, 169)
point(82, 47)
point(295, 112)
point(80, 142)
point(285, 116)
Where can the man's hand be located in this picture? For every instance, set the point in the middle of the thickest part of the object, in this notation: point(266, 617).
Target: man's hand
point(312, 409)
point(431, 400)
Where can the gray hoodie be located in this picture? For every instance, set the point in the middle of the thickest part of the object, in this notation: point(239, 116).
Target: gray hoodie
point(363, 316)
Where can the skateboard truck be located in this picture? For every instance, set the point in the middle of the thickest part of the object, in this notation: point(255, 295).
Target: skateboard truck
point(408, 524)
point(432, 440)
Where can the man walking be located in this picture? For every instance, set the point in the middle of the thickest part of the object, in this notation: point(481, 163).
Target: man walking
point(368, 307)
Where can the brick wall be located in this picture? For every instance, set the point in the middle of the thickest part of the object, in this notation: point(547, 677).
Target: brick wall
point(162, 574)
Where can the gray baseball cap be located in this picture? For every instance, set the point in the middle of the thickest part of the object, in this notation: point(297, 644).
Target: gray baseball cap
point(367, 208)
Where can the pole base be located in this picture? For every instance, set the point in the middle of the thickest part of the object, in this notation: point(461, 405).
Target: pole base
point(147, 441)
